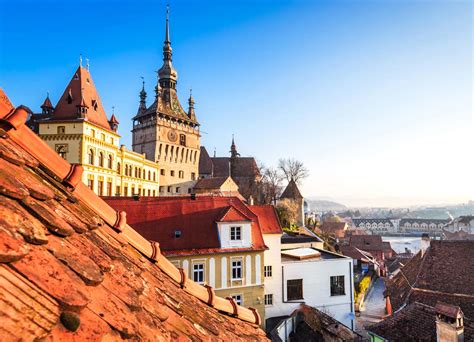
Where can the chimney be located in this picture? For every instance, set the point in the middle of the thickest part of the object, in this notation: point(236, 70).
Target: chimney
point(251, 201)
point(425, 243)
point(449, 323)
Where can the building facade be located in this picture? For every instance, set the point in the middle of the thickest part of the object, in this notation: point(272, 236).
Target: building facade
point(77, 128)
point(167, 134)
point(216, 241)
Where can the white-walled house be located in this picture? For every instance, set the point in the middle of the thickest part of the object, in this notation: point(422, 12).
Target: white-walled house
point(320, 279)
point(297, 272)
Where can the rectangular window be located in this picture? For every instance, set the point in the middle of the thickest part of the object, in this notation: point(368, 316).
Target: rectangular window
point(235, 233)
point(267, 271)
point(90, 184)
point(198, 273)
point(172, 173)
point(169, 189)
point(337, 286)
point(193, 176)
point(236, 269)
point(109, 188)
point(125, 190)
point(100, 188)
point(238, 299)
point(294, 289)
point(117, 190)
point(269, 299)
point(177, 189)
point(162, 188)
point(162, 172)
point(61, 129)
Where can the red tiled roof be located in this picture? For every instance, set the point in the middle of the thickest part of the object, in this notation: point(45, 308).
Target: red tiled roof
point(244, 167)
point(83, 92)
point(71, 268)
point(268, 218)
point(157, 219)
point(442, 273)
point(369, 243)
point(113, 119)
point(231, 214)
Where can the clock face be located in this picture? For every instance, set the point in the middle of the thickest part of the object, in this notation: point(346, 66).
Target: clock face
point(172, 136)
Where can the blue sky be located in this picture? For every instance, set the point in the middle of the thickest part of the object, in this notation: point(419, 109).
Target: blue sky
point(375, 97)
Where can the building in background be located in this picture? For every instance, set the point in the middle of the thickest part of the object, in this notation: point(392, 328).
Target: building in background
point(243, 170)
point(166, 133)
point(293, 194)
point(218, 186)
point(461, 223)
point(78, 129)
point(216, 241)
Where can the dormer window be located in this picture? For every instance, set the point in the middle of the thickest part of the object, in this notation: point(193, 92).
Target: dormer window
point(177, 234)
point(235, 233)
point(94, 104)
point(76, 76)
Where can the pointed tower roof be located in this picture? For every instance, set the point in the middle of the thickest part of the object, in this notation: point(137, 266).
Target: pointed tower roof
point(47, 103)
point(81, 92)
point(291, 191)
point(113, 119)
point(191, 112)
point(233, 149)
point(167, 72)
point(142, 106)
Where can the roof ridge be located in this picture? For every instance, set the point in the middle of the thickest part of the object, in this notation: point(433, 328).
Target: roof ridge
point(70, 175)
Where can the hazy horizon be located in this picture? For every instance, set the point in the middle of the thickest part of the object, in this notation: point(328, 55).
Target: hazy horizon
point(374, 97)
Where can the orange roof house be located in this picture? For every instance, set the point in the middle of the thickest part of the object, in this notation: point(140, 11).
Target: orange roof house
point(216, 240)
point(72, 268)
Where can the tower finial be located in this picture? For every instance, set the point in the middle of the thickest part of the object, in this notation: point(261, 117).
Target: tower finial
point(87, 64)
point(233, 149)
point(167, 37)
point(80, 60)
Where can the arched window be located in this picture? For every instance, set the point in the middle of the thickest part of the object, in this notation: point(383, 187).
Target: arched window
point(62, 151)
point(101, 159)
point(154, 178)
point(118, 168)
point(149, 175)
point(90, 155)
point(177, 154)
point(110, 161)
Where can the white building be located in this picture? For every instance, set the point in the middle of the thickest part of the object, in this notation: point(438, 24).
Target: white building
point(299, 273)
point(320, 279)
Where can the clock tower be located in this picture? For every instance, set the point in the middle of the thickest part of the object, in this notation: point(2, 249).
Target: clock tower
point(165, 132)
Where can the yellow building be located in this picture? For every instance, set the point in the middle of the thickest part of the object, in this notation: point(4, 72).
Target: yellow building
point(216, 241)
point(166, 133)
point(78, 129)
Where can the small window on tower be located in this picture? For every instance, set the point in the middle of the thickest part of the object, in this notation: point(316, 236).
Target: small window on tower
point(182, 139)
point(61, 129)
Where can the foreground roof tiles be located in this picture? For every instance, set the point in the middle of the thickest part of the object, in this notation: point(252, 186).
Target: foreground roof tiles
point(71, 268)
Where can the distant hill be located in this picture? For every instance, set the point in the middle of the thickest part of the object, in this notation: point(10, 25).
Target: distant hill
point(324, 205)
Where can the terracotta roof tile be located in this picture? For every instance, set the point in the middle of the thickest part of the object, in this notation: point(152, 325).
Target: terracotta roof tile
point(158, 218)
point(82, 92)
point(71, 268)
point(268, 219)
point(440, 274)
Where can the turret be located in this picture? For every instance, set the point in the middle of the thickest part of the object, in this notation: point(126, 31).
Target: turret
point(82, 109)
point(142, 106)
point(47, 106)
point(191, 113)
